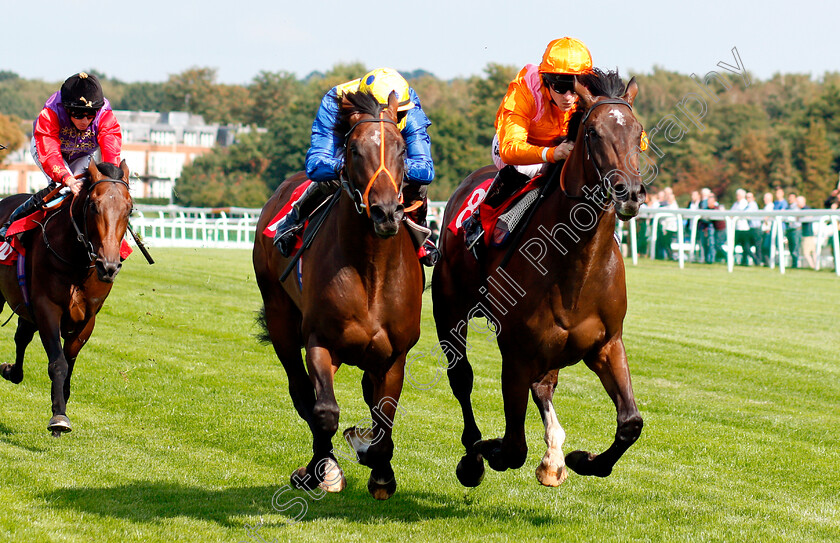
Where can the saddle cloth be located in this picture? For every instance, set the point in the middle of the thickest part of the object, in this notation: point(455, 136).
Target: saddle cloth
point(10, 250)
point(489, 215)
point(272, 224)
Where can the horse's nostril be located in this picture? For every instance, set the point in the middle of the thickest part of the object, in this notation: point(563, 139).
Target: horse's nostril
point(376, 213)
point(621, 191)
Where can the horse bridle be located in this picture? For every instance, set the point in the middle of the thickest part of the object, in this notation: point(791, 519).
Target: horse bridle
point(81, 237)
point(361, 200)
point(588, 149)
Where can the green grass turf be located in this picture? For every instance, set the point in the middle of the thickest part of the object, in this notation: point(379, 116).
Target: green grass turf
point(183, 428)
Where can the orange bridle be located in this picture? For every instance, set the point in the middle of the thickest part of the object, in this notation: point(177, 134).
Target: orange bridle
point(365, 197)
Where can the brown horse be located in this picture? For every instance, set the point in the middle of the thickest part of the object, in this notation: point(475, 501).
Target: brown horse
point(360, 299)
point(560, 298)
point(71, 263)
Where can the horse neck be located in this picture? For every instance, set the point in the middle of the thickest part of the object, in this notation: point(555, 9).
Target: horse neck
point(361, 247)
point(591, 222)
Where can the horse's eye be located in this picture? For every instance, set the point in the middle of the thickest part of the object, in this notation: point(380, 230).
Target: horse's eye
point(592, 133)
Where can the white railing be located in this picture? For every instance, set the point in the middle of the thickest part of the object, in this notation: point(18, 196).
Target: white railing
point(825, 223)
point(170, 226)
point(234, 227)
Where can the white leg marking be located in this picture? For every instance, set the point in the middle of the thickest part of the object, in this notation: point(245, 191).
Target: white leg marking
point(552, 468)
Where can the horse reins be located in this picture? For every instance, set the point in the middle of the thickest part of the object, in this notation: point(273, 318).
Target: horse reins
point(362, 200)
point(81, 237)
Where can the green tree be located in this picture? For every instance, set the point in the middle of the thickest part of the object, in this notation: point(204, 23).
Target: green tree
point(10, 136)
point(141, 97)
point(753, 161)
point(817, 175)
point(783, 174)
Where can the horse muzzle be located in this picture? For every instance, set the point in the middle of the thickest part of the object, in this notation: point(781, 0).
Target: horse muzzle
point(107, 270)
point(386, 219)
point(628, 198)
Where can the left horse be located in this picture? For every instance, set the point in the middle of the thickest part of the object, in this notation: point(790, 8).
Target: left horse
point(358, 300)
point(71, 261)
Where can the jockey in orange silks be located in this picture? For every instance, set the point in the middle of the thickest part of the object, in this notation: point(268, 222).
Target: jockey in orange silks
point(532, 122)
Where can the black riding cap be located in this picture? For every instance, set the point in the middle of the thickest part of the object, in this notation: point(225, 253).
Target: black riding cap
point(82, 91)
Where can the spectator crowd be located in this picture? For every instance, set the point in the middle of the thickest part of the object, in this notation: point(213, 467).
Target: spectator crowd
point(753, 236)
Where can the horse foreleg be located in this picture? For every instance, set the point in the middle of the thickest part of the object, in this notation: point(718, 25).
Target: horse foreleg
point(323, 424)
point(451, 324)
point(552, 469)
point(375, 448)
point(510, 451)
point(23, 337)
point(73, 343)
point(610, 364)
point(49, 331)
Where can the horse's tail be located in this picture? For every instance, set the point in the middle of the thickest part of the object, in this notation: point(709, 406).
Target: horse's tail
point(262, 335)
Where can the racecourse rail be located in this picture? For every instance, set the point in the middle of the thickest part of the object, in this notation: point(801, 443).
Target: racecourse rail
point(234, 227)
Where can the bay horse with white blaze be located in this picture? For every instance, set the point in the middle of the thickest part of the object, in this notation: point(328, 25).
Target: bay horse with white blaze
point(559, 299)
point(70, 265)
point(359, 301)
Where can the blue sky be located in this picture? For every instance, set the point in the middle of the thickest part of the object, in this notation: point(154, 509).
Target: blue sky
point(148, 41)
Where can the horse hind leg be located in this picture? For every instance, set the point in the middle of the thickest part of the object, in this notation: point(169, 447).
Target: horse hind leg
point(552, 468)
point(611, 367)
point(23, 337)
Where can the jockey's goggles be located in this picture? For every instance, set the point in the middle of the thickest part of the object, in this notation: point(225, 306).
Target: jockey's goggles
point(82, 113)
point(560, 83)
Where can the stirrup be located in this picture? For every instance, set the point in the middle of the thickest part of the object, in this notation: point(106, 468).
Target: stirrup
point(431, 256)
point(473, 231)
point(286, 233)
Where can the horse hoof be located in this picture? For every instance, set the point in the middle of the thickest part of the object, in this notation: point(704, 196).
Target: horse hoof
point(334, 480)
point(470, 470)
point(8, 372)
point(584, 463)
point(59, 424)
point(382, 491)
point(302, 480)
point(491, 450)
point(551, 476)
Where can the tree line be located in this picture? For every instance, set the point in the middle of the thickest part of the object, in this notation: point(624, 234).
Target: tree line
point(782, 132)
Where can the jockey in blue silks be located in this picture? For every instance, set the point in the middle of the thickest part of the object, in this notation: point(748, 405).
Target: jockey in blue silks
point(325, 158)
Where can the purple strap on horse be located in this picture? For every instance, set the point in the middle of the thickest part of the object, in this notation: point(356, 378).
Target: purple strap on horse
point(21, 276)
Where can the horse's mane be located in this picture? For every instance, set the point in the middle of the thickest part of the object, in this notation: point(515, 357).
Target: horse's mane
point(600, 83)
point(109, 170)
point(356, 102)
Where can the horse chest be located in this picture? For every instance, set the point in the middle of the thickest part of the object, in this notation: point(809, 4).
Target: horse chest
point(83, 306)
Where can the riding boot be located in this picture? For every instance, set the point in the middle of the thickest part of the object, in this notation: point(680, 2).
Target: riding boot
point(288, 226)
point(26, 208)
point(507, 180)
point(427, 251)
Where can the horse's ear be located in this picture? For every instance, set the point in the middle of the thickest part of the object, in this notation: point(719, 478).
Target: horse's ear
point(344, 106)
point(124, 168)
point(393, 103)
point(584, 94)
point(631, 91)
point(95, 174)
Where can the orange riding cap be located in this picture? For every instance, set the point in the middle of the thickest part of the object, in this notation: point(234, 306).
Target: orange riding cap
point(566, 56)
point(529, 124)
